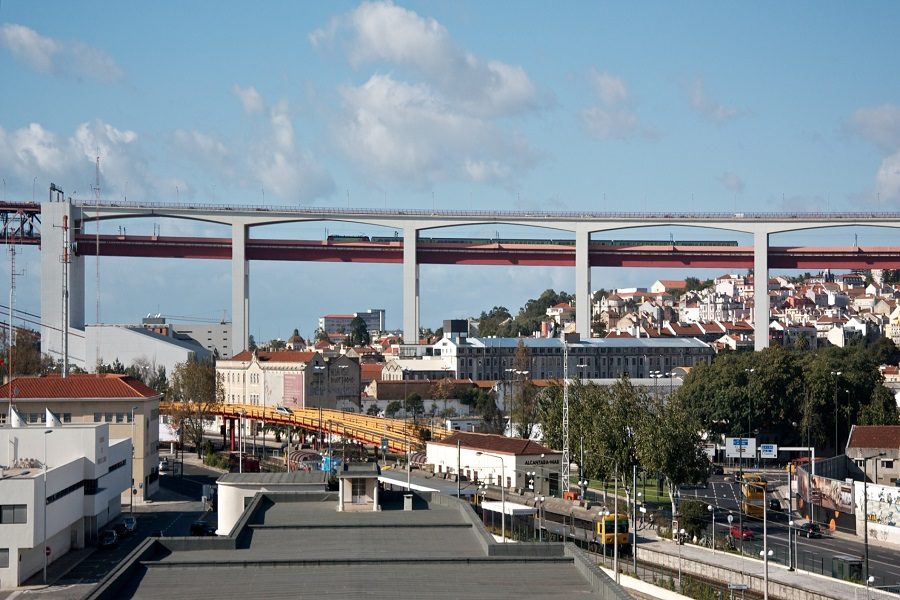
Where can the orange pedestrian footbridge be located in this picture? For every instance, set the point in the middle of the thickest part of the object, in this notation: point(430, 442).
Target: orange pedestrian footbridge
point(401, 434)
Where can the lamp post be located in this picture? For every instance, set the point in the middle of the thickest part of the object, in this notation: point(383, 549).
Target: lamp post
point(765, 554)
point(869, 581)
point(681, 533)
point(837, 376)
point(46, 557)
point(131, 490)
point(749, 411)
point(502, 492)
point(241, 442)
point(866, 460)
point(712, 511)
point(541, 519)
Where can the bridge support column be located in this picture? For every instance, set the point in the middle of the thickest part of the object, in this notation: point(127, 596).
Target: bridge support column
point(59, 227)
point(582, 283)
point(240, 289)
point(410, 286)
point(760, 290)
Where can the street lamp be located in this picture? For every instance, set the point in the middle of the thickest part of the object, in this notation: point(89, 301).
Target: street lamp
point(866, 460)
point(540, 519)
point(131, 490)
point(712, 511)
point(837, 375)
point(749, 412)
point(46, 557)
point(869, 581)
point(241, 442)
point(765, 554)
point(681, 533)
point(502, 492)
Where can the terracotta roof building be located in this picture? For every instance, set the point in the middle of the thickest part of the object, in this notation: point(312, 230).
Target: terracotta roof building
point(881, 445)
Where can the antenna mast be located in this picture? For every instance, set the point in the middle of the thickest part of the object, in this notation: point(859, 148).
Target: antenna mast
point(97, 197)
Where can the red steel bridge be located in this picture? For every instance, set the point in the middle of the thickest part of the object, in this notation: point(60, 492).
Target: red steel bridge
point(20, 224)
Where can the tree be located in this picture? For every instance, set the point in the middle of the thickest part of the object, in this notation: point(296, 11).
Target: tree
point(321, 336)
point(251, 343)
point(668, 442)
point(359, 332)
point(195, 388)
point(880, 410)
point(414, 404)
point(694, 517)
point(525, 411)
point(372, 411)
point(598, 327)
point(26, 356)
point(393, 408)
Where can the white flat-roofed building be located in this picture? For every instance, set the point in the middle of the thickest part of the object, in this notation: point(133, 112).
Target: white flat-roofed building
point(86, 476)
point(110, 398)
point(513, 463)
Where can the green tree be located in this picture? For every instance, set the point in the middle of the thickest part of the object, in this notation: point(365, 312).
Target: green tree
point(525, 411)
point(694, 517)
point(359, 332)
point(251, 343)
point(372, 411)
point(668, 442)
point(414, 405)
point(393, 408)
point(195, 388)
point(880, 410)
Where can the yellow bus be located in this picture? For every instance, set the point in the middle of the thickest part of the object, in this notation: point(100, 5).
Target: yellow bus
point(753, 494)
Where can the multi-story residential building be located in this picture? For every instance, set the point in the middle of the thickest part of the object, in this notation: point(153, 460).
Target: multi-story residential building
point(214, 337)
point(130, 408)
point(340, 323)
point(290, 378)
point(494, 358)
point(60, 486)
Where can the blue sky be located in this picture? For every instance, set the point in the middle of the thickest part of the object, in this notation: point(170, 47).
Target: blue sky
point(767, 106)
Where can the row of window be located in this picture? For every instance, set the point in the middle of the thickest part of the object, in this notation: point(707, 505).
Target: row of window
point(41, 416)
point(119, 417)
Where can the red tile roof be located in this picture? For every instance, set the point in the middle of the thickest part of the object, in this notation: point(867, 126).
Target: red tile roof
point(283, 356)
point(490, 442)
point(80, 386)
point(370, 371)
point(874, 436)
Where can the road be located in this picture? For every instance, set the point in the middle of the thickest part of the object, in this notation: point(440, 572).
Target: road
point(812, 554)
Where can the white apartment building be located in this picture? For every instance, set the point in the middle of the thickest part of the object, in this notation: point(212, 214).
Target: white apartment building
point(290, 378)
point(86, 474)
point(493, 358)
point(82, 399)
point(374, 319)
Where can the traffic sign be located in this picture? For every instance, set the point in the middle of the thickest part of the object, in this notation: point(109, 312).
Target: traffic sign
point(730, 519)
point(740, 447)
point(768, 451)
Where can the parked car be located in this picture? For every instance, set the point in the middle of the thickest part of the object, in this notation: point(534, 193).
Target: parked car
point(284, 410)
point(121, 530)
point(716, 470)
point(202, 528)
point(739, 532)
point(164, 465)
point(108, 539)
point(130, 524)
point(774, 504)
point(810, 530)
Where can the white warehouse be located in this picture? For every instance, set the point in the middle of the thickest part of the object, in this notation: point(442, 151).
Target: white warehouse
point(86, 473)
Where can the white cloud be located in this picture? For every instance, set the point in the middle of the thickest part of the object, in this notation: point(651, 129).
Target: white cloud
point(383, 32)
point(613, 117)
point(887, 180)
point(732, 182)
point(434, 115)
point(28, 45)
point(708, 108)
point(47, 55)
point(396, 129)
point(610, 88)
point(33, 151)
point(878, 124)
point(251, 100)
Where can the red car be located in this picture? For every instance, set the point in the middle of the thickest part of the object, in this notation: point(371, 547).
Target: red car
point(738, 532)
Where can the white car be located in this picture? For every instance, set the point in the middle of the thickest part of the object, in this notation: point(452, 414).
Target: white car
point(284, 410)
point(164, 466)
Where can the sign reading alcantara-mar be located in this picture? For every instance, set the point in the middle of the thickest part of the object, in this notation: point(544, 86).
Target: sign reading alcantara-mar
point(740, 448)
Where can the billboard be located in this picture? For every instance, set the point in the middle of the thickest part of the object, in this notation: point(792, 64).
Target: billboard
point(293, 390)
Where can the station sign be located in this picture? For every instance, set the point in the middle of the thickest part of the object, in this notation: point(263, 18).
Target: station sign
point(768, 450)
point(740, 448)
